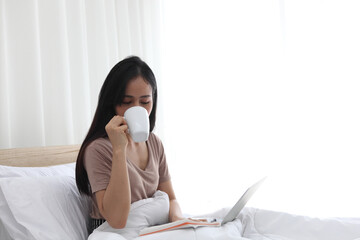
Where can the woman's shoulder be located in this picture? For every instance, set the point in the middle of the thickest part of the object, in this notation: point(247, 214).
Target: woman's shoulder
point(155, 144)
point(98, 154)
point(100, 145)
point(102, 141)
point(153, 138)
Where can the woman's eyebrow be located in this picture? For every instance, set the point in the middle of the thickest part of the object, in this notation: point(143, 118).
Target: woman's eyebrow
point(144, 96)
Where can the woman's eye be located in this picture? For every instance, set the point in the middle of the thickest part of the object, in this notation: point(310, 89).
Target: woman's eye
point(126, 103)
point(145, 102)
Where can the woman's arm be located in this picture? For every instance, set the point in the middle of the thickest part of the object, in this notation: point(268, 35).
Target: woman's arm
point(114, 202)
point(175, 212)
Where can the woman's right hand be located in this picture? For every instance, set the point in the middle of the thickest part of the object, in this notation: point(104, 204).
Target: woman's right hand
point(116, 130)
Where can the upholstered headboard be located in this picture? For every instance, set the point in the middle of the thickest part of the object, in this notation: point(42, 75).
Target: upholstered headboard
point(39, 156)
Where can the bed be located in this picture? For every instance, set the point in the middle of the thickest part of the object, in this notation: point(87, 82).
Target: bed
point(39, 200)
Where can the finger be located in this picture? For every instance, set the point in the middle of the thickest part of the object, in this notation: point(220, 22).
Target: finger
point(123, 128)
point(199, 219)
point(118, 120)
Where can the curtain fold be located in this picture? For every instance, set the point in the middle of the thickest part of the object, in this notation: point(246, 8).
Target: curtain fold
point(54, 58)
point(4, 86)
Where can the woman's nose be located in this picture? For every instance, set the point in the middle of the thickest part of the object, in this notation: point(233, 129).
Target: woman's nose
point(136, 104)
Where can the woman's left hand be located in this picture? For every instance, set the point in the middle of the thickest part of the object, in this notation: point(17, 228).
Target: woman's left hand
point(199, 219)
point(177, 218)
point(192, 219)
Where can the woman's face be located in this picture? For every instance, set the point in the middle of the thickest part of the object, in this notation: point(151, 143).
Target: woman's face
point(138, 93)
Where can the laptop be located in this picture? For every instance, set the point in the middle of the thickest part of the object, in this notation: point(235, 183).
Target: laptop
point(210, 222)
point(235, 210)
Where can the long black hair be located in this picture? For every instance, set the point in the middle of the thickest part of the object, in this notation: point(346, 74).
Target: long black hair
point(112, 94)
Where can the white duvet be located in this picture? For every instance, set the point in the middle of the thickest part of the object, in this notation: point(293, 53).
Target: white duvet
point(251, 223)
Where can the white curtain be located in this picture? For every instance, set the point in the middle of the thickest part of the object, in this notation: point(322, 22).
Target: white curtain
point(54, 57)
point(264, 88)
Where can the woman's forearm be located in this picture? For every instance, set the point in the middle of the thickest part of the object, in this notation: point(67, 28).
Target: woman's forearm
point(174, 209)
point(117, 197)
point(175, 212)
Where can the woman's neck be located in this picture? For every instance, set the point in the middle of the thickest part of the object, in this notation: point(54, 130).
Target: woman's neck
point(134, 145)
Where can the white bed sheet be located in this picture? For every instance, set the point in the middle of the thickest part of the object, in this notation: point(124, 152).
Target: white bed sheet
point(252, 224)
point(263, 224)
point(258, 224)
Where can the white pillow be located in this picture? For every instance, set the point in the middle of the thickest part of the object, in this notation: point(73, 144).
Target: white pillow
point(4, 235)
point(18, 231)
point(143, 213)
point(63, 169)
point(48, 207)
point(9, 171)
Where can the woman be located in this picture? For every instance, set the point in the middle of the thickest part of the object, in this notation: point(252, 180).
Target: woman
point(113, 169)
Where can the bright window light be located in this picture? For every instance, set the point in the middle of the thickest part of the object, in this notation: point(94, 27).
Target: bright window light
point(263, 88)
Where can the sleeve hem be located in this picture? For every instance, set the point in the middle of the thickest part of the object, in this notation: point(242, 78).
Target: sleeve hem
point(164, 179)
point(99, 188)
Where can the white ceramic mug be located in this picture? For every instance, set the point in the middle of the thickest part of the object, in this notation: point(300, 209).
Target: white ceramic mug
point(137, 119)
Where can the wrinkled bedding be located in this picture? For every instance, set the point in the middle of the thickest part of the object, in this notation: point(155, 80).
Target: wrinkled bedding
point(252, 223)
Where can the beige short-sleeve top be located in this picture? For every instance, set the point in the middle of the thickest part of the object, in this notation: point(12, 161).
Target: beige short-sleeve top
point(143, 183)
